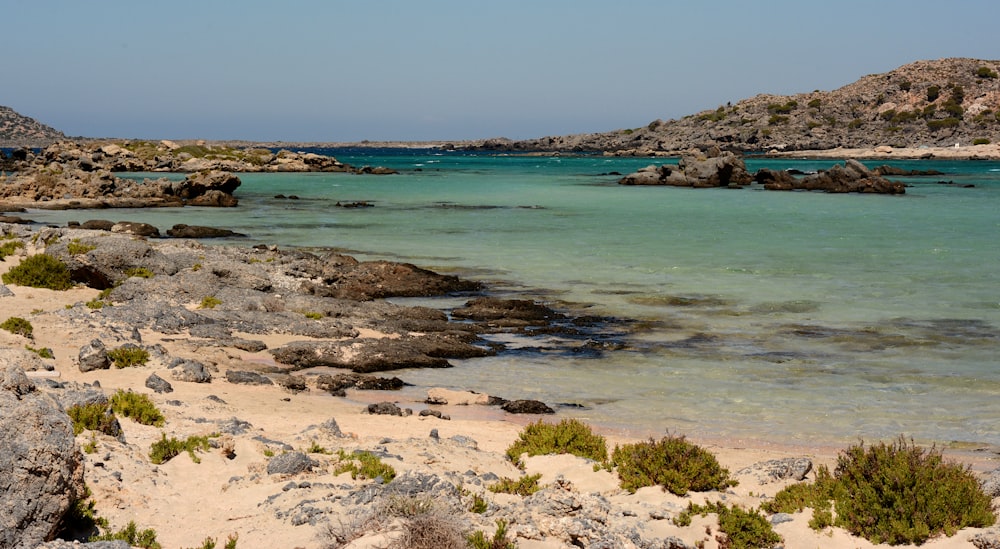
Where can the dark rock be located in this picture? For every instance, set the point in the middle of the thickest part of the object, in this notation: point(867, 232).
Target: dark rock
point(775, 180)
point(434, 413)
point(41, 467)
point(158, 384)
point(290, 463)
point(331, 427)
point(380, 354)
point(94, 356)
point(388, 409)
point(135, 228)
point(97, 225)
point(361, 382)
point(195, 231)
point(852, 177)
point(507, 312)
point(694, 169)
point(247, 378)
point(380, 279)
point(15, 220)
point(191, 371)
point(293, 384)
point(526, 407)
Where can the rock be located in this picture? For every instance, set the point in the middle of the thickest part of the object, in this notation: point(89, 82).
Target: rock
point(5, 291)
point(158, 384)
point(331, 428)
point(380, 354)
point(438, 395)
point(506, 312)
point(136, 229)
point(247, 378)
point(775, 180)
point(380, 279)
point(191, 371)
point(195, 231)
point(290, 463)
point(852, 177)
point(98, 225)
point(694, 169)
point(991, 484)
point(779, 469)
point(41, 466)
point(361, 382)
point(526, 407)
point(292, 384)
point(989, 539)
point(388, 409)
point(23, 359)
point(434, 413)
point(94, 356)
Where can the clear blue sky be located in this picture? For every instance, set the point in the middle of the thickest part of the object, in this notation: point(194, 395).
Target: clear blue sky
point(325, 70)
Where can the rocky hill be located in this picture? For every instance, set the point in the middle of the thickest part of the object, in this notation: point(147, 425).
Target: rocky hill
point(932, 103)
point(17, 130)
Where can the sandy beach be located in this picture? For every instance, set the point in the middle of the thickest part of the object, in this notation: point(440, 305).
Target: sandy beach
point(185, 502)
point(989, 151)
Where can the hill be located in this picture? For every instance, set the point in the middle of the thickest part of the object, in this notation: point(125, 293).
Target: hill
point(925, 103)
point(17, 130)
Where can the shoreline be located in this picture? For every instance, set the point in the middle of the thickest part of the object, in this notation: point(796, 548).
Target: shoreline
point(222, 495)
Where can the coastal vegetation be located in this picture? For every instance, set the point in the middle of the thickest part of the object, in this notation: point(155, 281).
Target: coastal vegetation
point(209, 302)
point(569, 436)
point(499, 540)
point(743, 529)
point(365, 465)
point(524, 485)
point(75, 247)
point(18, 326)
point(128, 355)
point(9, 246)
point(674, 463)
point(137, 407)
point(895, 493)
point(93, 416)
point(40, 271)
point(166, 449)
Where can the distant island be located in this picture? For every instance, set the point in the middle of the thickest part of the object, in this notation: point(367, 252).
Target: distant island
point(924, 105)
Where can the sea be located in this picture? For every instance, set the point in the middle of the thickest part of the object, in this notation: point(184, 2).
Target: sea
point(802, 317)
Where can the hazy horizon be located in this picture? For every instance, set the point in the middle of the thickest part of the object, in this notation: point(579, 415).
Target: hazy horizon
point(445, 70)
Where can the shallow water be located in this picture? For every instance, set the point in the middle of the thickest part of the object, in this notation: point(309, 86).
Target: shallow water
point(792, 316)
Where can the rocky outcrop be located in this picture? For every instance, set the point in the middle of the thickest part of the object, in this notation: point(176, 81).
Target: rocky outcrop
point(694, 169)
point(852, 177)
point(41, 466)
point(195, 231)
point(17, 130)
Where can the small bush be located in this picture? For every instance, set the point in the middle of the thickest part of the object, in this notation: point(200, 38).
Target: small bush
point(743, 529)
point(139, 272)
point(96, 304)
point(44, 352)
point(673, 462)
point(893, 493)
point(986, 72)
point(905, 85)
point(365, 465)
point(8, 248)
point(209, 302)
point(137, 407)
point(128, 355)
point(133, 536)
point(855, 124)
point(522, 486)
point(569, 436)
point(315, 448)
point(40, 271)
point(950, 122)
point(313, 315)
point(479, 505)
point(75, 247)
point(210, 543)
point(93, 417)
point(777, 119)
point(933, 92)
point(166, 449)
point(18, 326)
point(478, 539)
point(815, 103)
point(980, 141)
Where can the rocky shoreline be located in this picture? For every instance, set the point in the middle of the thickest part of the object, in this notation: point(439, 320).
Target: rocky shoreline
point(275, 355)
point(68, 175)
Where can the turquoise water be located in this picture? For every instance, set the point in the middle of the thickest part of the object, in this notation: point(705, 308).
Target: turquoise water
point(788, 316)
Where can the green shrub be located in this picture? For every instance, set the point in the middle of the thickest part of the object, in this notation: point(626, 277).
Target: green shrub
point(166, 449)
point(131, 534)
point(782, 108)
point(93, 417)
point(40, 271)
point(209, 542)
point(209, 302)
point(905, 85)
point(950, 122)
point(75, 247)
point(815, 103)
point(128, 355)
point(777, 119)
point(315, 448)
point(933, 92)
point(986, 72)
point(743, 529)
point(137, 407)
point(8, 248)
point(313, 315)
point(855, 124)
point(673, 462)
point(893, 493)
point(980, 141)
point(18, 326)
point(44, 352)
point(522, 486)
point(478, 540)
point(479, 505)
point(139, 272)
point(569, 436)
point(82, 518)
point(365, 465)
point(96, 304)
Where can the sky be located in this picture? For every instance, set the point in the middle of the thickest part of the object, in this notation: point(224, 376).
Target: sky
point(383, 70)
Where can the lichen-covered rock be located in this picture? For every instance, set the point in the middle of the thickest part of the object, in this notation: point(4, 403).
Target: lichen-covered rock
point(243, 377)
point(290, 463)
point(94, 356)
point(526, 407)
point(191, 371)
point(158, 384)
point(41, 467)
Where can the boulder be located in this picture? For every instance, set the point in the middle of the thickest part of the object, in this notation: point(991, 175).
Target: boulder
point(195, 231)
point(191, 371)
point(695, 169)
point(94, 356)
point(136, 229)
point(41, 466)
point(388, 409)
point(526, 407)
point(158, 384)
point(290, 463)
point(242, 377)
